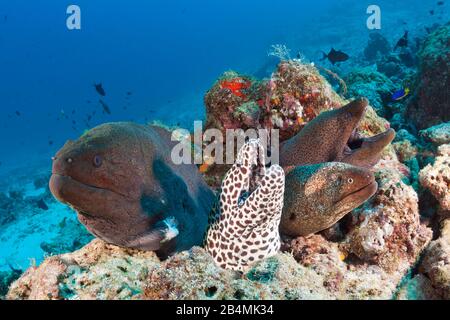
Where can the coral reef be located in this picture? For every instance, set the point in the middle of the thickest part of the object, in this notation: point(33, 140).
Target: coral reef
point(368, 254)
point(436, 178)
point(97, 271)
point(245, 230)
point(374, 85)
point(387, 230)
point(295, 94)
point(430, 105)
point(315, 269)
point(120, 179)
point(438, 134)
point(436, 264)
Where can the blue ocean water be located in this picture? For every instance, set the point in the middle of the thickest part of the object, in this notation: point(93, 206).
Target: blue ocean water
point(155, 60)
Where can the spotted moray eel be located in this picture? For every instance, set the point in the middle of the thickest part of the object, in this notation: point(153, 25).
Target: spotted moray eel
point(244, 227)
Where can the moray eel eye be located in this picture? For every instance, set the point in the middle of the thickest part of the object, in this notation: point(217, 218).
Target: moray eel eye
point(69, 160)
point(98, 161)
point(350, 180)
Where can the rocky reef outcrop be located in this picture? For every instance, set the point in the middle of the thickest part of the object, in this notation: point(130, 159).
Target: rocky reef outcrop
point(436, 178)
point(97, 271)
point(295, 94)
point(388, 230)
point(436, 264)
point(430, 105)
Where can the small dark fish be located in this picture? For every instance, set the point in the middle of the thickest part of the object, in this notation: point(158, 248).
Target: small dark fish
point(73, 111)
point(88, 101)
point(105, 107)
point(74, 122)
point(129, 93)
point(335, 56)
point(402, 42)
point(99, 89)
point(42, 205)
point(89, 117)
point(440, 3)
point(18, 113)
point(432, 12)
point(50, 142)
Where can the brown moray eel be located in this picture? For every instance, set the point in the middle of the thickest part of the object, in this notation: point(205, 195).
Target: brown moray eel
point(330, 137)
point(319, 195)
point(120, 179)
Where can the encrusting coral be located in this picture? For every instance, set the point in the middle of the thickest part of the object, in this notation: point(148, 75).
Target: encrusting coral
point(244, 229)
point(436, 263)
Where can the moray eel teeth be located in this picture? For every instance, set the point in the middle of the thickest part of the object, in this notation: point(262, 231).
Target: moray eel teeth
point(335, 132)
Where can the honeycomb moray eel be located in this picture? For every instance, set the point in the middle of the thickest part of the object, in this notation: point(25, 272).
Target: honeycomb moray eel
point(317, 196)
point(126, 190)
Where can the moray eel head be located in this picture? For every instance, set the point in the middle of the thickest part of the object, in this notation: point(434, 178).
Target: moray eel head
point(331, 136)
point(98, 162)
point(100, 175)
point(317, 196)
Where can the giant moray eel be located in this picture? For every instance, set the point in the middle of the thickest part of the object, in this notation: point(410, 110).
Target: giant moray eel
point(331, 137)
point(120, 179)
point(319, 195)
point(312, 205)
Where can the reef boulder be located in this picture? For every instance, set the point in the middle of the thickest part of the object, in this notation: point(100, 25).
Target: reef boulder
point(436, 178)
point(387, 230)
point(436, 262)
point(97, 271)
point(438, 134)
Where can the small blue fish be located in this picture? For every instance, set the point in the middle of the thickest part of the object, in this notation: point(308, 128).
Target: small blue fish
point(400, 94)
